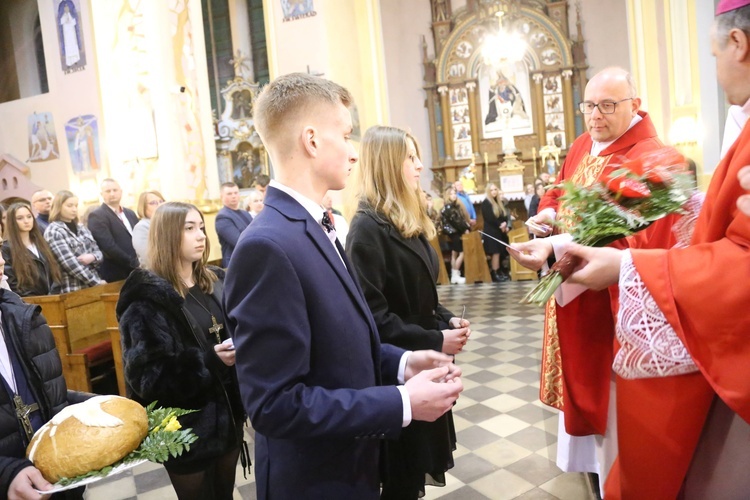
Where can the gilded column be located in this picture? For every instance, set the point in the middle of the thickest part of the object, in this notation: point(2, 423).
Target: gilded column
point(569, 106)
point(538, 97)
point(447, 129)
point(476, 126)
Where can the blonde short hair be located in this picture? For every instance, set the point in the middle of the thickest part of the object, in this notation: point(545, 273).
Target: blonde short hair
point(143, 202)
point(289, 97)
point(382, 183)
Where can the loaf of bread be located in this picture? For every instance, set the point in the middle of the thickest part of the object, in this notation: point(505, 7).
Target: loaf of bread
point(88, 436)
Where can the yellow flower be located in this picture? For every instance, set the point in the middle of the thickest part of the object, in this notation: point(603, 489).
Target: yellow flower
point(173, 425)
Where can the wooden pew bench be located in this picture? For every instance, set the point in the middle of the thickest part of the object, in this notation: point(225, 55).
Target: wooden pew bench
point(79, 326)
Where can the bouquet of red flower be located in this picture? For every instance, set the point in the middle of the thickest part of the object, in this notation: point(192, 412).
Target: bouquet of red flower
point(630, 196)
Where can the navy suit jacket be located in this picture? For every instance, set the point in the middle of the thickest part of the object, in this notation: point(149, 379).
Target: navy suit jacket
point(229, 225)
point(115, 242)
point(309, 360)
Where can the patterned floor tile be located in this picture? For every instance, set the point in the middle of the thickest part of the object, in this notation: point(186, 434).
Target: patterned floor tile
point(506, 436)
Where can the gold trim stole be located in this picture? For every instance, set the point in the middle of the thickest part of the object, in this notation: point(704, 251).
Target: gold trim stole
point(551, 385)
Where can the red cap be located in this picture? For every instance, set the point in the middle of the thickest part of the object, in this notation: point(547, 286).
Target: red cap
point(728, 5)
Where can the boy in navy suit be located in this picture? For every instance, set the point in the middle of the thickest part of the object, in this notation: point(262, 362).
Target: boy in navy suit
point(320, 389)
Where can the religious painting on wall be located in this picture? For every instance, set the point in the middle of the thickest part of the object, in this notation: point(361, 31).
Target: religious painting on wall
point(505, 100)
point(42, 138)
point(297, 9)
point(70, 35)
point(461, 128)
point(83, 143)
point(554, 117)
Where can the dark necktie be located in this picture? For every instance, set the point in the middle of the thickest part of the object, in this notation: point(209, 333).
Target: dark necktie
point(327, 222)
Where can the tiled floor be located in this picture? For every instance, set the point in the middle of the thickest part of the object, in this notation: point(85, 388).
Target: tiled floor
point(506, 437)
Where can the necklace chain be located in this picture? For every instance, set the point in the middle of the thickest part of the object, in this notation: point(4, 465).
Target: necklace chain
point(216, 327)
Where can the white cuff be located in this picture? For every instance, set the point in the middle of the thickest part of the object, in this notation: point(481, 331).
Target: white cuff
point(404, 393)
point(551, 214)
point(401, 377)
point(407, 405)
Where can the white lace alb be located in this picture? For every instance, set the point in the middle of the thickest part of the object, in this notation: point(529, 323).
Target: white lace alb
point(649, 345)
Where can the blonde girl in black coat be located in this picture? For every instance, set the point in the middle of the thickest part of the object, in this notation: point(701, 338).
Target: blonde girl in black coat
point(388, 244)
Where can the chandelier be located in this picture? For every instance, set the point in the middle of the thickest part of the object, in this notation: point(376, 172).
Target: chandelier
point(504, 46)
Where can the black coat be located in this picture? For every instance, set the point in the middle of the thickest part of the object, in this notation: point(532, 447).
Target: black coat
point(492, 225)
point(26, 329)
point(398, 277)
point(534, 205)
point(44, 284)
point(453, 219)
point(115, 242)
point(167, 358)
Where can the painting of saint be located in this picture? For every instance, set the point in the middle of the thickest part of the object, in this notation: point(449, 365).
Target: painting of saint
point(70, 35)
point(42, 138)
point(297, 9)
point(242, 104)
point(83, 143)
point(505, 106)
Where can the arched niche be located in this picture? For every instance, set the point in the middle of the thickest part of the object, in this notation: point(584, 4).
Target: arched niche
point(471, 103)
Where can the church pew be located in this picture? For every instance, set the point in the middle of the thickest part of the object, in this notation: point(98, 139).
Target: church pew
point(110, 310)
point(77, 321)
point(475, 260)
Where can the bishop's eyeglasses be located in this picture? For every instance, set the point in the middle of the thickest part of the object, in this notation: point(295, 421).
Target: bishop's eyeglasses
point(605, 107)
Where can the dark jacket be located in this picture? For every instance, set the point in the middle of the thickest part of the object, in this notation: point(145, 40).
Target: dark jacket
point(44, 284)
point(398, 277)
point(168, 359)
point(309, 360)
point(229, 226)
point(453, 219)
point(534, 205)
point(115, 242)
point(492, 223)
point(26, 329)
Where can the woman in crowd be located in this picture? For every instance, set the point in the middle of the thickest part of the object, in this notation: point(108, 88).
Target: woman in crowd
point(497, 223)
point(538, 194)
point(455, 223)
point(388, 244)
point(176, 350)
point(148, 202)
point(29, 264)
point(71, 243)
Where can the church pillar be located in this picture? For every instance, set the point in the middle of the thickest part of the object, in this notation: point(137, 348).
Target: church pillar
point(569, 105)
point(447, 129)
point(471, 87)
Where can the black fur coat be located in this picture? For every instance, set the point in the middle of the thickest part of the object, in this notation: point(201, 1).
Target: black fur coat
point(165, 361)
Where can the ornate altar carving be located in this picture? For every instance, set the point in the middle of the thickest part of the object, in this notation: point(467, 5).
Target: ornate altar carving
point(240, 153)
point(502, 108)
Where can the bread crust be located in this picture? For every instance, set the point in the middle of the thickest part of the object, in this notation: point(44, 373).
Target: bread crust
point(67, 447)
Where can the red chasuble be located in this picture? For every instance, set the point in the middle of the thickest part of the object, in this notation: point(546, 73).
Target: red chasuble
point(578, 338)
point(703, 291)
